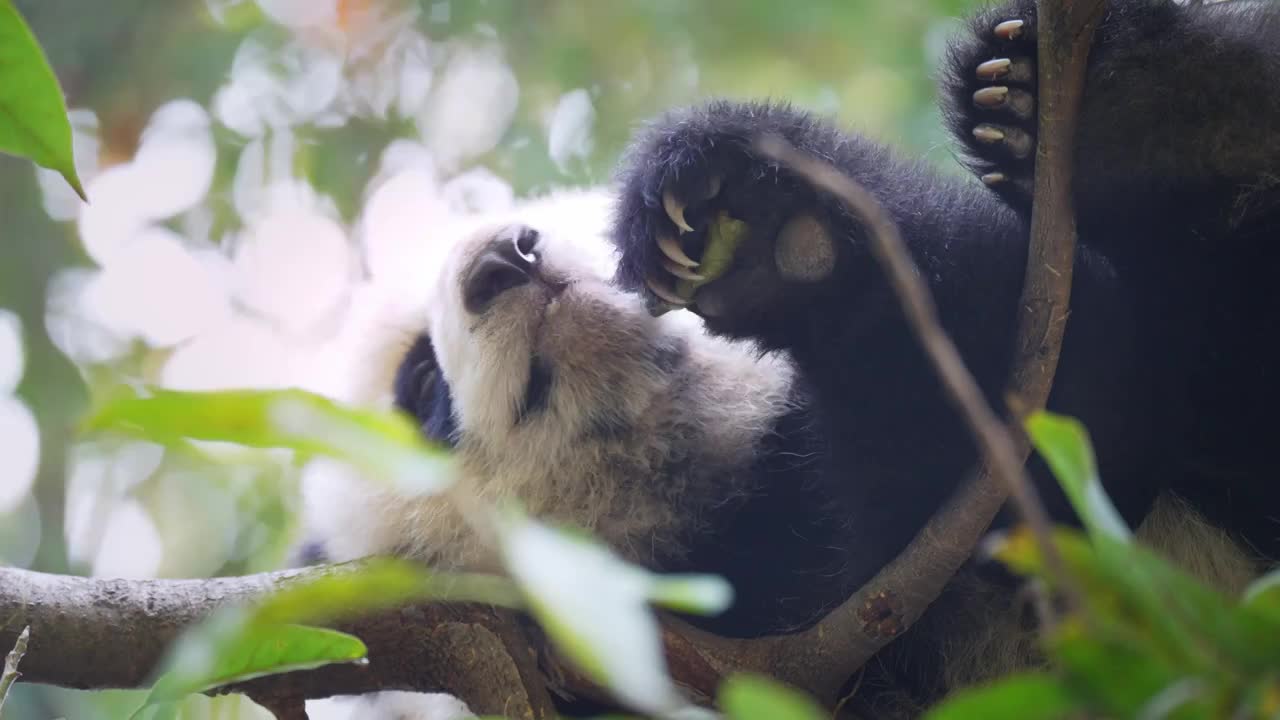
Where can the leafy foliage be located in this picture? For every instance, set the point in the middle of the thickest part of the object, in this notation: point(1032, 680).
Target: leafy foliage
point(33, 115)
point(1148, 640)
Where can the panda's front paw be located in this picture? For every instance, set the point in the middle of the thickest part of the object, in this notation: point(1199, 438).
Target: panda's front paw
point(705, 222)
point(991, 93)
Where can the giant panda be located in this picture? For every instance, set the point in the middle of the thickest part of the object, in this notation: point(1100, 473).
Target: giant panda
point(782, 427)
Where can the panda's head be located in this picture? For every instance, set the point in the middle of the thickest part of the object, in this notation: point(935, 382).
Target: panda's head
point(555, 388)
point(524, 337)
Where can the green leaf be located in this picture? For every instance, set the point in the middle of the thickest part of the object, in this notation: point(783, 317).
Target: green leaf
point(1116, 673)
point(1265, 589)
point(1029, 696)
point(700, 594)
point(752, 697)
point(1065, 446)
point(374, 585)
point(230, 651)
point(384, 444)
point(33, 115)
point(595, 607)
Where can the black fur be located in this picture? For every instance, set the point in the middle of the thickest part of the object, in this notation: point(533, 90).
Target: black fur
point(1168, 357)
point(420, 390)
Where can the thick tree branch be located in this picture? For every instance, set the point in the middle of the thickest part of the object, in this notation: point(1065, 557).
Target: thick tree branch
point(95, 633)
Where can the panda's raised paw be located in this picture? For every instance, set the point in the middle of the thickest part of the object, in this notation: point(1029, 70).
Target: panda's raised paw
point(706, 223)
point(992, 86)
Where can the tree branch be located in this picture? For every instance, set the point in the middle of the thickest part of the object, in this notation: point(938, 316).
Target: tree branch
point(96, 633)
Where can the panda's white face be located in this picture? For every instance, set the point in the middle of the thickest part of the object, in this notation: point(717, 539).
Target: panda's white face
point(563, 392)
point(529, 334)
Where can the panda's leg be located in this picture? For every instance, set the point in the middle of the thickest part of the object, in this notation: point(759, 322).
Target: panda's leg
point(1181, 99)
point(1177, 185)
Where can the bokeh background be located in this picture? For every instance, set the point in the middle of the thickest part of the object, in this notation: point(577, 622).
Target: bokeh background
point(251, 162)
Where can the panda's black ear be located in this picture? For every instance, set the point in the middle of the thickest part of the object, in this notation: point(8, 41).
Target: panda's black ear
point(416, 366)
point(421, 390)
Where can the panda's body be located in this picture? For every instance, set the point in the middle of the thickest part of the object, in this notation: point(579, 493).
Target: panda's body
point(794, 437)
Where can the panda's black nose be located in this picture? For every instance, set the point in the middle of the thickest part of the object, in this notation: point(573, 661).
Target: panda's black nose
point(509, 261)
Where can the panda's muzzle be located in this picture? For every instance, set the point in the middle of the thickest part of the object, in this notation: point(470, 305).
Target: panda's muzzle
point(511, 259)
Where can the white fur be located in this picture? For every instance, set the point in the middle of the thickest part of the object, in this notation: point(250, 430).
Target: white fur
point(390, 705)
point(687, 430)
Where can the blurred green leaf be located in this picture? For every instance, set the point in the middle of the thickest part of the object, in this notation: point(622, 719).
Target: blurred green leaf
point(270, 635)
point(595, 607)
point(374, 585)
point(384, 444)
point(1152, 639)
point(1265, 589)
point(33, 115)
point(700, 594)
point(752, 697)
point(228, 650)
point(1065, 446)
point(1110, 670)
point(1030, 696)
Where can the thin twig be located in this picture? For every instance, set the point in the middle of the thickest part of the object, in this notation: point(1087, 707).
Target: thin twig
point(11, 661)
